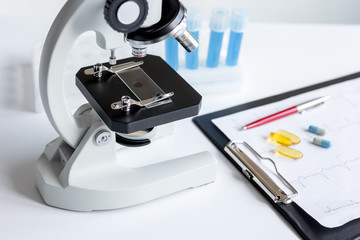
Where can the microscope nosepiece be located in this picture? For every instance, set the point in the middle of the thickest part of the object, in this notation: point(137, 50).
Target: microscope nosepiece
point(172, 24)
point(187, 41)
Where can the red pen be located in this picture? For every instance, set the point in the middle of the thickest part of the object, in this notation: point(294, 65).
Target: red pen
point(296, 109)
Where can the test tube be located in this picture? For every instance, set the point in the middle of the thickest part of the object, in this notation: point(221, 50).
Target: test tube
point(238, 22)
point(218, 24)
point(193, 25)
point(171, 53)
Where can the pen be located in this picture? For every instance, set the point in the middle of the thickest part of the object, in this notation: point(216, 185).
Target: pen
point(295, 109)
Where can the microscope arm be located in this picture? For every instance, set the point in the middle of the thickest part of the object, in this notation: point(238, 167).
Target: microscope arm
point(76, 17)
point(80, 170)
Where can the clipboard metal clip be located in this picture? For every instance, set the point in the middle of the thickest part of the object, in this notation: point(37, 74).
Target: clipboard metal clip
point(256, 174)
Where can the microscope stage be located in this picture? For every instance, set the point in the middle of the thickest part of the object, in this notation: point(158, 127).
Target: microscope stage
point(102, 92)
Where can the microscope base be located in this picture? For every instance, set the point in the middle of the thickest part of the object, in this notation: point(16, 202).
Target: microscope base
point(110, 185)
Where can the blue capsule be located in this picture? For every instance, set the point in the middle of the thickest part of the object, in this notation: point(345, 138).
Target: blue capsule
point(317, 130)
point(322, 143)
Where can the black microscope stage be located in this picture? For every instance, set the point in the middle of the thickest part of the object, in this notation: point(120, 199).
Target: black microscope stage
point(103, 91)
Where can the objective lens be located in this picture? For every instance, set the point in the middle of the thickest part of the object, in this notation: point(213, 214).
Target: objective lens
point(139, 52)
point(187, 41)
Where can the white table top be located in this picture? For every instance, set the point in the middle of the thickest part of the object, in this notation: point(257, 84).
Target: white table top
point(276, 58)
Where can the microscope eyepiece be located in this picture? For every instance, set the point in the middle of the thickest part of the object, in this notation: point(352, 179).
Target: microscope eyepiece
point(125, 15)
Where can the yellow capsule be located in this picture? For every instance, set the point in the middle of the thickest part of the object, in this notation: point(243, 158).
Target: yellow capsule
point(289, 152)
point(293, 138)
point(280, 139)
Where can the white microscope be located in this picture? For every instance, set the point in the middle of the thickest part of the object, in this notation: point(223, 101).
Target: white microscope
point(132, 103)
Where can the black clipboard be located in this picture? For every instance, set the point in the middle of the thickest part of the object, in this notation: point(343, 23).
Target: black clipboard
point(304, 224)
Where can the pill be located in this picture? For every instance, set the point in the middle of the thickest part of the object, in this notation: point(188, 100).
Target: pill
point(322, 143)
point(293, 138)
point(280, 139)
point(317, 130)
point(289, 152)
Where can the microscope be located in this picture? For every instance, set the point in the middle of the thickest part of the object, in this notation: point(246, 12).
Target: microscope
point(132, 104)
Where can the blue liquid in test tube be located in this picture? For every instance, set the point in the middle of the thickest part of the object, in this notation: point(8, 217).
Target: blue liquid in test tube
point(193, 25)
point(218, 24)
point(171, 53)
point(239, 19)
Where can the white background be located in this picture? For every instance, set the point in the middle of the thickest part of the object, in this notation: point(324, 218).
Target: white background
point(277, 56)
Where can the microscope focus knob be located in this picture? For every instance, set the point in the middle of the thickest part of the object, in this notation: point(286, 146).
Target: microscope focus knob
point(125, 16)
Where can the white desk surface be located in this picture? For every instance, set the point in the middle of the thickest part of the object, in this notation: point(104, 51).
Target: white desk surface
point(276, 58)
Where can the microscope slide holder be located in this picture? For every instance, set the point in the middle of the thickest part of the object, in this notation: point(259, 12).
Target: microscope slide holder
point(103, 91)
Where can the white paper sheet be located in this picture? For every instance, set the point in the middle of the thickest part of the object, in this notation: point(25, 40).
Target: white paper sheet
point(328, 180)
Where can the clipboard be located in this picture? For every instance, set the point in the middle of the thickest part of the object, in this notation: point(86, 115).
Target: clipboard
point(304, 224)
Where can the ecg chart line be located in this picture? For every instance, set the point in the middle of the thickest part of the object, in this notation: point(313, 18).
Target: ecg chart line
point(348, 123)
point(333, 209)
point(301, 179)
